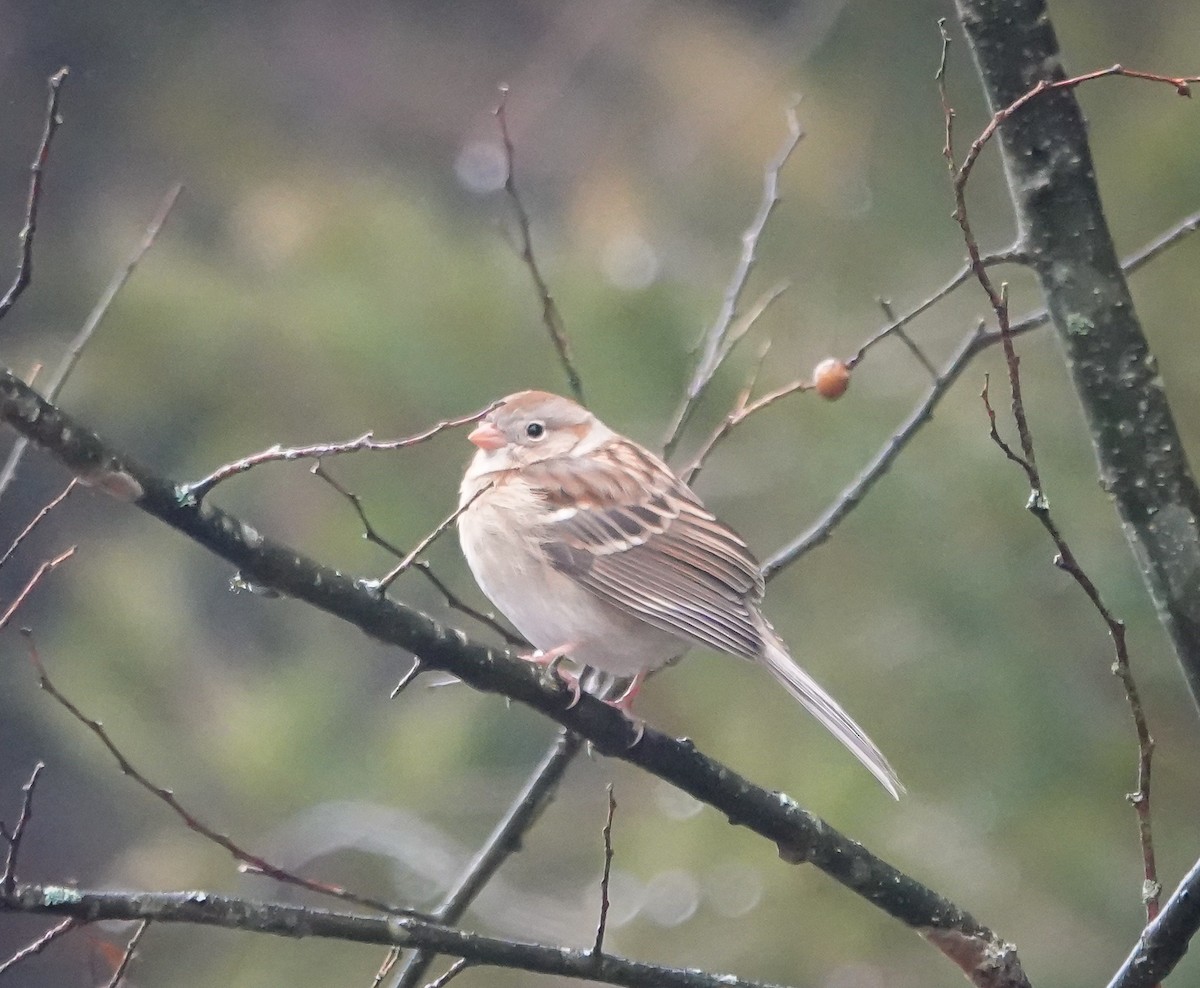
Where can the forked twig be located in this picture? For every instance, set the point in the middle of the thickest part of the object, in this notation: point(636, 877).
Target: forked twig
point(716, 343)
point(972, 344)
point(743, 408)
point(452, 972)
point(895, 326)
point(372, 535)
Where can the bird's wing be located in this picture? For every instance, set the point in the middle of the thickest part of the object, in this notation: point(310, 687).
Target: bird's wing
point(622, 525)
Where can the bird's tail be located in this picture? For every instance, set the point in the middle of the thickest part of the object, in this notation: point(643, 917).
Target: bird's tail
point(827, 710)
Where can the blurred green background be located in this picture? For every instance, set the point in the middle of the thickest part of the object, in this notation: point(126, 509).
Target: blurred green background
point(341, 261)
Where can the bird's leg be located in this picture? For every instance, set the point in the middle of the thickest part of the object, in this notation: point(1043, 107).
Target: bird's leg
point(624, 703)
point(549, 656)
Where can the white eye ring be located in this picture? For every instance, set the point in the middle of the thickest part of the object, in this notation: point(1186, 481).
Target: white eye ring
point(536, 430)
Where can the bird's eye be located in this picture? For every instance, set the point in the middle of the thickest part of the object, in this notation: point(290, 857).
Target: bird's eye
point(535, 430)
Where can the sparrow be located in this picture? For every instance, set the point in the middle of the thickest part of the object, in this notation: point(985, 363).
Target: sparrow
point(592, 547)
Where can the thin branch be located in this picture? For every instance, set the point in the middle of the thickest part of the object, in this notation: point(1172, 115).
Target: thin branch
point(36, 173)
point(40, 944)
point(13, 837)
point(1161, 243)
point(894, 326)
point(747, 320)
point(452, 972)
point(372, 535)
point(715, 345)
point(90, 325)
point(127, 957)
point(37, 519)
point(47, 567)
point(210, 909)
point(250, 863)
point(429, 539)
point(898, 330)
point(1066, 561)
point(606, 833)
point(742, 409)
point(504, 841)
point(551, 317)
point(200, 489)
point(405, 681)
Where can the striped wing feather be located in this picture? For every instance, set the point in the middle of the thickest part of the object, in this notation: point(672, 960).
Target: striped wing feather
point(639, 538)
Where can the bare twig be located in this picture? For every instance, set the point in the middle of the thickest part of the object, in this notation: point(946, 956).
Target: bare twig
point(898, 330)
point(413, 672)
point(13, 837)
point(198, 490)
point(1066, 561)
point(602, 923)
point(426, 542)
point(994, 432)
point(742, 409)
point(505, 839)
point(1012, 255)
point(551, 317)
point(249, 863)
point(372, 535)
point(49, 566)
point(717, 342)
point(452, 972)
point(127, 956)
point(37, 520)
point(40, 944)
point(37, 171)
point(89, 327)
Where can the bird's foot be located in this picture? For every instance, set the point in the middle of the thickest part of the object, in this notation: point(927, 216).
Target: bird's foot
point(551, 660)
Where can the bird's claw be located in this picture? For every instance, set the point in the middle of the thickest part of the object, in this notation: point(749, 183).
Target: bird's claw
point(554, 675)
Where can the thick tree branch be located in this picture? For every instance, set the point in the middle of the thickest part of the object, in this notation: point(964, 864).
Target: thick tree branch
point(799, 835)
point(1063, 231)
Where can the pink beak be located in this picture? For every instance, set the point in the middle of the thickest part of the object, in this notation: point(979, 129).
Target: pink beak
point(487, 436)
